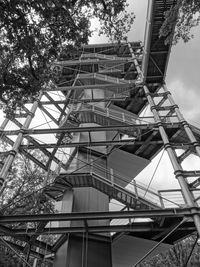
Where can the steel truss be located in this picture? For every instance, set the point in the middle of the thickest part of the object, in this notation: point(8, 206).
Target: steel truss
point(165, 129)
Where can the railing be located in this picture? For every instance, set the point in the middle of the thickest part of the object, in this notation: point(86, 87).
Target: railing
point(162, 198)
point(124, 117)
point(176, 196)
point(107, 112)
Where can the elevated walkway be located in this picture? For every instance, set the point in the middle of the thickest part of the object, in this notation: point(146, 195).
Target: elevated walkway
point(156, 51)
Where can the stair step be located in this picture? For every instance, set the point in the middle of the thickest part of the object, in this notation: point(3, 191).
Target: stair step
point(101, 184)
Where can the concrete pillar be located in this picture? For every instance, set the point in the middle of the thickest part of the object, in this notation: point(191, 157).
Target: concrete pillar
point(62, 255)
point(82, 251)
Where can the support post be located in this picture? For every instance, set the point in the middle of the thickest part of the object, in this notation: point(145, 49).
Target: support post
point(13, 152)
point(173, 158)
point(183, 121)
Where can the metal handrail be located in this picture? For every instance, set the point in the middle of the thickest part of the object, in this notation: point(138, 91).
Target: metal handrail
point(138, 188)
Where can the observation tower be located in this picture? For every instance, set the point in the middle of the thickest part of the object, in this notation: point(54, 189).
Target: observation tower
point(95, 117)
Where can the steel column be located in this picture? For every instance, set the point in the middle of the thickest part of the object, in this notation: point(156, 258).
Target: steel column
point(173, 158)
point(183, 121)
point(13, 152)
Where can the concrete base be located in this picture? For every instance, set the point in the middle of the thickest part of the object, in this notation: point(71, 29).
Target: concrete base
point(82, 252)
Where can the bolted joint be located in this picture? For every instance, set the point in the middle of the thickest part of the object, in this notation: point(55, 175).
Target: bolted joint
point(22, 130)
point(175, 106)
point(167, 145)
point(167, 93)
point(29, 113)
point(195, 144)
point(159, 124)
point(37, 100)
point(153, 107)
point(178, 173)
point(13, 153)
point(184, 123)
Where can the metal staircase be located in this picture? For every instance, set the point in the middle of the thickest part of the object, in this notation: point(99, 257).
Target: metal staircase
point(92, 179)
point(86, 113)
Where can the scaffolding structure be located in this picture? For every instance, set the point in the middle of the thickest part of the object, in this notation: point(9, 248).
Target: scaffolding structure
point(95, 117)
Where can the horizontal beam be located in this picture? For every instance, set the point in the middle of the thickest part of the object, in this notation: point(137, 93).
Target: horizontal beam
point(79, 216)
point(92, 144)
point(88, 129)
point(104, 86)
point(134, 228)
point(90, 229)
point(135, 45)
point(93, 61)
point(87, 100)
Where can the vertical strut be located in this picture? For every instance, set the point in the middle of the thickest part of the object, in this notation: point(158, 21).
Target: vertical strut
point(173, 158)
point(171, 153)
point(180, 117)
point(13, 152)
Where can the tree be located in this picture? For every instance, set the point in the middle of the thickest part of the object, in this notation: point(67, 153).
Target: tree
point(34, 32)
point(22, 194)
point(177, 255)
point(186, 15)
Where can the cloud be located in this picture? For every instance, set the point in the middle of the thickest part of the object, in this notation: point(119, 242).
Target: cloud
point(187, 98)
point(183, 75)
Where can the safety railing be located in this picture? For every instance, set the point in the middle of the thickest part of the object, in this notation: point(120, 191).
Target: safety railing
point(162, 198)
point(176, 196)
point(108, 112)
point(118, 115)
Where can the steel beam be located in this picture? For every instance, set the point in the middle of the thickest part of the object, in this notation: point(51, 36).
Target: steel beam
point(116, 127)
point(135, 228)
point(88, 100)
point(104, 86)
point(91, 144)
point(9, 160)
point(78, 216)
point(79, 62)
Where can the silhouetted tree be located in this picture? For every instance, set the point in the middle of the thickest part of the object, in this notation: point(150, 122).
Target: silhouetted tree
point(34, 32)
point(22, 194)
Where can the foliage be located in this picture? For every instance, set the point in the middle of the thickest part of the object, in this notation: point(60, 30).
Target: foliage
point(22, 194)
point(115, 20)
point(186, 15)
point(177, 255)
point(25, 178)
point(34, 32)
point(8, 259)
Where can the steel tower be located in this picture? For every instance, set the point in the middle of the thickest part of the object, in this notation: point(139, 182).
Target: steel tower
point(95, 117)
